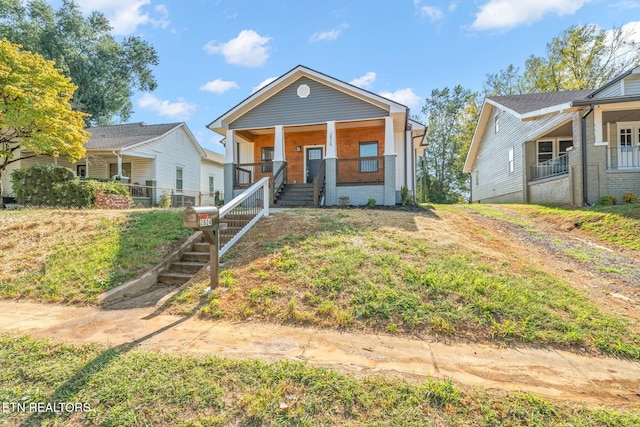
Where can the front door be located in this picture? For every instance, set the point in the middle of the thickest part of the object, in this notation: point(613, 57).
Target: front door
point(313, 160)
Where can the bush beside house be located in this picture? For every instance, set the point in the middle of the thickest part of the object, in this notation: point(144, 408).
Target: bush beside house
point(48, 185)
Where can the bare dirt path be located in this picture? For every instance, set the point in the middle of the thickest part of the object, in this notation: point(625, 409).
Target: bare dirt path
point(554, 374)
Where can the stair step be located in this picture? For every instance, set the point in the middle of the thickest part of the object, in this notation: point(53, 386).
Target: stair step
point(201, 247)
point(172, 278)
point(188, 267)
point(196, 256)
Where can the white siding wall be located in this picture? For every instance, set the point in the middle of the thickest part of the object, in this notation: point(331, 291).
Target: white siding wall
point(174, 149)
point(217, 171)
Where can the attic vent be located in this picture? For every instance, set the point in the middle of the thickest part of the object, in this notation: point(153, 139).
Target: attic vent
point(303, 91)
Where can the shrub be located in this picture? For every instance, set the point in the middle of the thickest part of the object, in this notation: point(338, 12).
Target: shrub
point(344, 201)
point(165, 200)
point(405, 198)
point(630, 197)
point(371, 202)
point(608, 200)
point(56, 186)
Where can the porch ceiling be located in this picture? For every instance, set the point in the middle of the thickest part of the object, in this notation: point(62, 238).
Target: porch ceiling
point(621, 116)
point(248, 133)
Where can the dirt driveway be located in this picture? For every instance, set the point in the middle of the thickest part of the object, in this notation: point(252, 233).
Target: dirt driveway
point(559, 375)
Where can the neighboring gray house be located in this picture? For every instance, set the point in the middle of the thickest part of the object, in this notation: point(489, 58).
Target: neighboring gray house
point(564, 148)
point(153, 159)
point(320, 139)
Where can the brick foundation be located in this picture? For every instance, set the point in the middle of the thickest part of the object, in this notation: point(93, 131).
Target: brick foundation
point(113, 201)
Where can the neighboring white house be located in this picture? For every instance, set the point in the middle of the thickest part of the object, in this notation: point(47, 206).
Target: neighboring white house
point(212, 177)
point(154, 159)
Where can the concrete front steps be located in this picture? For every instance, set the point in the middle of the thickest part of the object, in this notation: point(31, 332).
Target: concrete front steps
point(180, 272)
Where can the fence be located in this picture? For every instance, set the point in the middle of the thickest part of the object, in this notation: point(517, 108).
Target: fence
point(624, 157)
point(553, 167)
point(362, 170)
point(245, 174)
point(150, 196)
point(241, 213)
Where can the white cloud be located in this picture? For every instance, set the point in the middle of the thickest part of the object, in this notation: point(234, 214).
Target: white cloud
point(453, 6)
point(327, 35)
point(364, 81)
point(432, 12)
point(263, 84)
point(249, 49)
point(176, 110)
point(632, 31)
point(626, 4)
point(403, 96)
point(219, 86)
point(507, 14)
point(126, 15)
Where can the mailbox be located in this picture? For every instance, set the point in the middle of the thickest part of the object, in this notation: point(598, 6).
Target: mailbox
point(207, 220)
point(202, 217)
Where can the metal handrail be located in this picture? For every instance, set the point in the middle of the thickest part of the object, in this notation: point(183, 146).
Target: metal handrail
point(275, 185)
point(318, 184)
point(549, 168)
point(243, 212)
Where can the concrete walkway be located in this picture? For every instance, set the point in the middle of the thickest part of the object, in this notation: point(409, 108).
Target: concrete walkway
point(553, 374)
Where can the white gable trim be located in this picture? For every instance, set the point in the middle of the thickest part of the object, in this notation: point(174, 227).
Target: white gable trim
point(287, 79)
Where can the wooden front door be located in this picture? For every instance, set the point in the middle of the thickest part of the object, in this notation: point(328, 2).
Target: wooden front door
point(313, 160)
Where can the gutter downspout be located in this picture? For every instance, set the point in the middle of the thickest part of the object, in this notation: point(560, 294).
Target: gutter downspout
point(584, 154)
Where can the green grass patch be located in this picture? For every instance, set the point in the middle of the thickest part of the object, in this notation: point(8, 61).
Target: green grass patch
point(135, 387)
point(87, 252)
point(357, 273)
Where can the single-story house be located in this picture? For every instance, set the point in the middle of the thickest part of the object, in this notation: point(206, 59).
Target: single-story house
point(321, 140)
point(564, 148)
point(153, 159)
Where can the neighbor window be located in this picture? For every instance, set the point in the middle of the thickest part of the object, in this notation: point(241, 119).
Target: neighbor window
point(477, 176)
point(113, 170)
point(211, 187)
point(512, 166)
point(369, 149)
point(179, 181)
point(267, 157)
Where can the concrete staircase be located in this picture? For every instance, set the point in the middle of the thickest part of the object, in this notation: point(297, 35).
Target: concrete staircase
point(190, 263)
point(295, 195)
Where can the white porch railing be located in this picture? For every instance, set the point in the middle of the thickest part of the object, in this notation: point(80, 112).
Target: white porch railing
point(241, 213)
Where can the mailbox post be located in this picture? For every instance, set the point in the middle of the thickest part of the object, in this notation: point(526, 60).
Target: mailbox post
point(207, 220)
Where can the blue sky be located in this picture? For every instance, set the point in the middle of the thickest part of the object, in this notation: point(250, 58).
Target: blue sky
point(213, 54)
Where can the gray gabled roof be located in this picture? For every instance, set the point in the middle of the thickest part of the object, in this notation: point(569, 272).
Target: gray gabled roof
point(117, 137)
point(529, 102)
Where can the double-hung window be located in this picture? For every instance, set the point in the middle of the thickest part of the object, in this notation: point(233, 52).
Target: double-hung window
point(179, 179)
point(369, 149)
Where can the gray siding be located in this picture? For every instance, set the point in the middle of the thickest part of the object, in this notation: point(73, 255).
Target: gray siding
point(323, 104)
point(632, 85)
point(615, 90)
point(492, 164)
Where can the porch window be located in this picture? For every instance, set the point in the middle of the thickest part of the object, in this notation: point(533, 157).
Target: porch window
point(179, 182)
point(126, 169)
point(369, 149)
point(564, 145)
point(545, 151)
point(267, 157)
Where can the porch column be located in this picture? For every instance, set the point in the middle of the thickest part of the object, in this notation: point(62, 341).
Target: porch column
point(330, 165)
point(229, 160)
point(597, 127)
point(278, 145)
point(86, 167)
point(389, 163)
point(119, 163)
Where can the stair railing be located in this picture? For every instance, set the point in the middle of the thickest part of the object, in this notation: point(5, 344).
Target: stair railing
point(278, 181)
point(318, 185)
point(241, 213)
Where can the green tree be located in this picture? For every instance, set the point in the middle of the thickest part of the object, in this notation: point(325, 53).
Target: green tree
point(106, 72)
point(449, 113)
point(581, 57)
point(35, 108)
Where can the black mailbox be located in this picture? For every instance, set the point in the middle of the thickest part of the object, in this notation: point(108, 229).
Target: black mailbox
point(207, 220)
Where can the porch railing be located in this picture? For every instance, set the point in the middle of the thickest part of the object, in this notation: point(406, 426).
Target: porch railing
point(318, 185)
point(245, 174)
point(553, 167)
point(278, 181)
point(149, 195)
point(241, 213)
point(360, 171)
point(623, 157)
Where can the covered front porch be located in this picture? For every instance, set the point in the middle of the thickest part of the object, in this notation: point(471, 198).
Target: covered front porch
point(336, 159)
point(617, 131)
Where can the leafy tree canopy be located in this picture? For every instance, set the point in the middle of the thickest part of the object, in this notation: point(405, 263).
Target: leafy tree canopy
point(35, 108)
point(581, 57)
point(106, 72)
